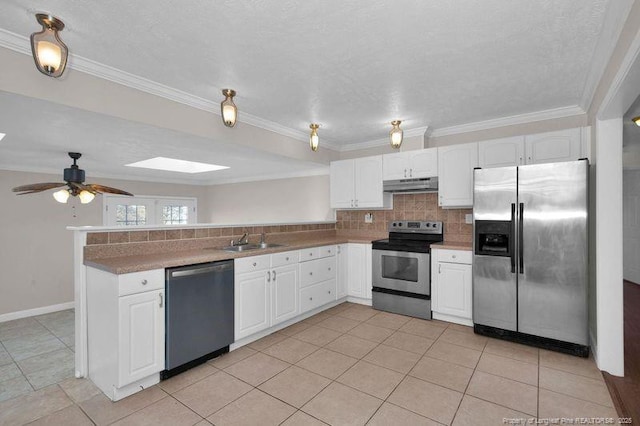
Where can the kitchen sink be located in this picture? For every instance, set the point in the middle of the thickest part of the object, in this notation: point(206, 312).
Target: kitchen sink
point(249, 247)
point(270, 245)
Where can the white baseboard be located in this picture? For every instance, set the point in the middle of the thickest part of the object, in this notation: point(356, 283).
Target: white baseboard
point(36, 311)
point(359, 300)
point(451, 318)
point(594, 347)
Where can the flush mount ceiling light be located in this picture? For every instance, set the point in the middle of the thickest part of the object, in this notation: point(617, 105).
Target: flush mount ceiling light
point(396, 134)
point(228, 108)
point(49, 52)
point(173, 165)
point(636, 120)
point(313, 137)
point(2, 135)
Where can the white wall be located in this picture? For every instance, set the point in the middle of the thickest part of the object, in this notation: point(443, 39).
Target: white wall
point(631, 225)
point(282, 200)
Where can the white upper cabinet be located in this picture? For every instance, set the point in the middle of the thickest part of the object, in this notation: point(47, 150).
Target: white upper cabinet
point(501, 152)
point(412, 164)
point(552, 147)
point(358, 184)
point(455, 174)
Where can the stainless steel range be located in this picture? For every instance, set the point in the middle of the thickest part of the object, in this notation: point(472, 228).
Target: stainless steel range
point(401, 268)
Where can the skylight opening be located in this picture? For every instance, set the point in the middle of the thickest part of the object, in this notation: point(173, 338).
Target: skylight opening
point(174, 165)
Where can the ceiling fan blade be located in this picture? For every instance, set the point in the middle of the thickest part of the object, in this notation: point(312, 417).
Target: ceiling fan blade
point(106, 189)
point(38, 187)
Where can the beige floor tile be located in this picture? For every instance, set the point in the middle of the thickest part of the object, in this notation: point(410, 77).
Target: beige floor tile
point(339, 308)
point(339, 324)
point(232, 357)
point(29, 346)
point(571, 364)
point(294, 329)
point(79, 389)
point(509, 368)
point(512, 350)
point(9, 371)
point(14, 387)
point(580, 387)
point(54, 373)
point(5, 358)
point(393, 358)
point(167, 411)
point(295, 386)
point(300, 418)
point(372, 379)
point(460, 327)
point(103, 411)
point(554, 405)
point(203, 422)
point(317, 318)
point(371, 332)
point(317, 335)
point(212, 393)
point(476, 412)
point(254, 408)
point(257, 368)
point(424, 398)
point(389, 414)
point(471, 341)
point(455, 354)
point(22, 328)
point(265, 342)
point(409, 342)
point(388, 320)
point(423, 328)
point(341, 405)
point(327, 363)
point(72, 416)
point(187, 378)
point(291, 350)
point(509, 393)
point(26, 408)
point(442, 373)
point(358, 312)
point(351, 345)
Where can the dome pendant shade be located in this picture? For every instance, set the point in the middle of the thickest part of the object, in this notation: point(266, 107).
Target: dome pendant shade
point(61, 196)
point(314, 140)
point(49, 52)
point(228, 109)
point(396, 134)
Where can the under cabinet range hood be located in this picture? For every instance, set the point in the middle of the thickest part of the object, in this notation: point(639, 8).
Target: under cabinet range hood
point(411, 185)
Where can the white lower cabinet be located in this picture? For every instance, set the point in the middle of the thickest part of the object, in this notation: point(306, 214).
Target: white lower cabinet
point(125, 319)
point(451, 285)
point(318, 280)
point(252, 303)
point(359, 271)
point(284, 293)
point(342, 280)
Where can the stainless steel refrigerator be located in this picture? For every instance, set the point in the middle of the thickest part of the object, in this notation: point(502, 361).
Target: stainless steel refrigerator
point(531, 254)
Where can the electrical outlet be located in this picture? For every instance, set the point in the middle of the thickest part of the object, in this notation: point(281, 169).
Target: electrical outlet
point(468, 218)
point(368, 218)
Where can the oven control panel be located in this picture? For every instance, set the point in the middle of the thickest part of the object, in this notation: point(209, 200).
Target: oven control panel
point(419, 227)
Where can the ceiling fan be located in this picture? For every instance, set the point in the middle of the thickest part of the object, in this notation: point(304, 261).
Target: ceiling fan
point(74, 181)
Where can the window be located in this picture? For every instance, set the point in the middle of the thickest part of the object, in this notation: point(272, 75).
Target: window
point(148, 210)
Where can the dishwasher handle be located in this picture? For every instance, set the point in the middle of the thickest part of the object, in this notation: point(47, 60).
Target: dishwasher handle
point(198, 271)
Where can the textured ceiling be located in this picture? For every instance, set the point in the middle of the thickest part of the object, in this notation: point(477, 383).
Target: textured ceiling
point(351, 66)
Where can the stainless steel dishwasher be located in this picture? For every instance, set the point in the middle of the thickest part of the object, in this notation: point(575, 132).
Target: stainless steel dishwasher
point(199, 314)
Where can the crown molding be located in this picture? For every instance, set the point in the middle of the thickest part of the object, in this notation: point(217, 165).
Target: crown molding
point(321, 171)
point(529, 117)
point(21, 44)
point(409, 133)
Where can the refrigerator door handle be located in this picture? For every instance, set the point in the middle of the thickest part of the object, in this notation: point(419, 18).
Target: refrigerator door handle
point(512, 248)
point(521, 239)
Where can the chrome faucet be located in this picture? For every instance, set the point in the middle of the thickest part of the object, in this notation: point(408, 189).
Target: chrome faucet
point(243, 241)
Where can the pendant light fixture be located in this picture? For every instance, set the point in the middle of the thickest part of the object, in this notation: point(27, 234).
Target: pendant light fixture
point(228, 108)
point(396, 134)
point(314, 140)
point(636, 120)
point(49, 52)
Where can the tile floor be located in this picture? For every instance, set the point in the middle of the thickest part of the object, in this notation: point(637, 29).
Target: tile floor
point(350, 365)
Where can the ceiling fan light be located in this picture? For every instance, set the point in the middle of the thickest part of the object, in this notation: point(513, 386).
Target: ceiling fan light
point(228, 109)
point(86, 196)
point(61, 196)
point(396, 134)
point(314, 140)
point(49, 52)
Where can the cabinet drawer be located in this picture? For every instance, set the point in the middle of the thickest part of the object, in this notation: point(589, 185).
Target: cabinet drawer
point(251, 264)
point(282, 259)
point(317, 295)
point(138, 282)
point(455, 256)
point(317, 271)
point(311, 253)
point(327, 251)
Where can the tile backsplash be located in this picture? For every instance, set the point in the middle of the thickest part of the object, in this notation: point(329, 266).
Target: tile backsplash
point(410, 207)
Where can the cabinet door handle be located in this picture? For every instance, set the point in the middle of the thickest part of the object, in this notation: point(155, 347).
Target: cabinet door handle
point(268, 276)
point(254, 263)
point(453, 256)
point(311, 298)
point(161, 301)
point(410, 172)
point(356, 203)
point(351, 203)
point(329, 268)
point(287, 258)
point(144, 282)
point(405, 172)
point(310, 273)
point(339, 250)
point(329, 291)
point(439, 268)
point(274, 276)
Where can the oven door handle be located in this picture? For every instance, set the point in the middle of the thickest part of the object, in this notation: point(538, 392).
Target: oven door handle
point(512, 246)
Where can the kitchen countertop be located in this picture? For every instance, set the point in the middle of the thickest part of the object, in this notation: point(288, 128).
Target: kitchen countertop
point(138, 263)
point(453, 245)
